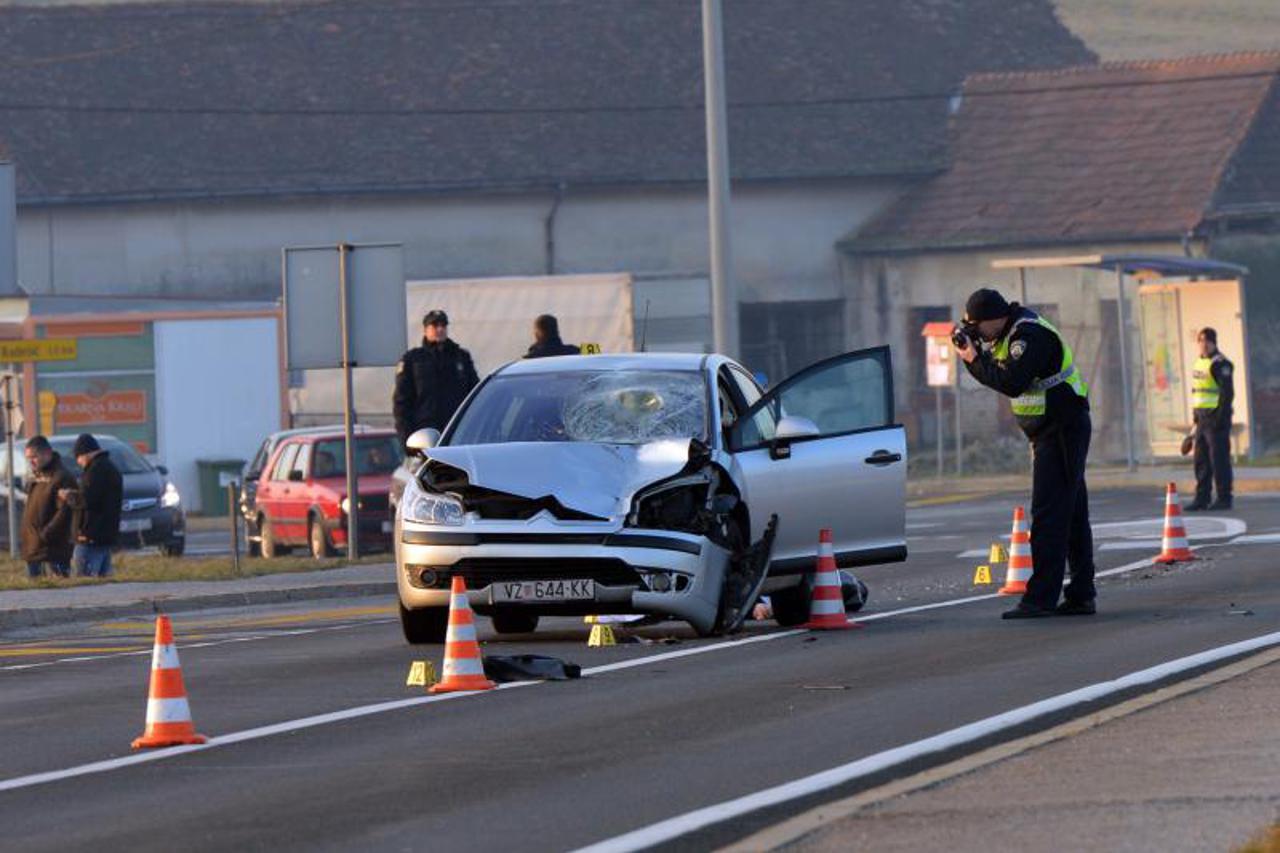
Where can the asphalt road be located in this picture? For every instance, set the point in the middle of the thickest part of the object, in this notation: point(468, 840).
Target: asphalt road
point(559, 765)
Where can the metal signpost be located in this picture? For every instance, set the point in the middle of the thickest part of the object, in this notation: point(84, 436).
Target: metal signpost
point(724, 296)
point(365, 284)
point(12, 352)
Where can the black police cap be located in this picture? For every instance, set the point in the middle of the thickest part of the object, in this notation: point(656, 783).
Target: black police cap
point(985, 304)
point(436, 316)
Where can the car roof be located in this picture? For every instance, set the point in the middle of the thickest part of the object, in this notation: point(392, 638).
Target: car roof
point(688, 361)
point(328, 435)
point(281, 435)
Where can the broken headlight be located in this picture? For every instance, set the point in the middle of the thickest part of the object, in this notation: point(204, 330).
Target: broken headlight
point(430, 508)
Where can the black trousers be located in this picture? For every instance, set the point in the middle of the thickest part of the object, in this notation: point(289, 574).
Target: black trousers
point(1060, 532)
point(1213, 463)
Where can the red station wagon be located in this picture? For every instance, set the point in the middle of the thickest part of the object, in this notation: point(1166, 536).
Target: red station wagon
point(302, 495)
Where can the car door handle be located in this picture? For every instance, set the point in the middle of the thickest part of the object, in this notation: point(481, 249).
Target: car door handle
point(883, 457)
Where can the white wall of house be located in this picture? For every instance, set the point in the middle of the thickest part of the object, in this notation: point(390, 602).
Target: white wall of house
point(784, 237)
point(881, 290)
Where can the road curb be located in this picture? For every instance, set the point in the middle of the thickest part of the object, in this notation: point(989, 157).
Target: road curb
point(36, 617)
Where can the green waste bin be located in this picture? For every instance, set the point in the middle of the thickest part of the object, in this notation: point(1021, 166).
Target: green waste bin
point(213, 483)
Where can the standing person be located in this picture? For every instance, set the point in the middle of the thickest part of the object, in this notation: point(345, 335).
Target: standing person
point(546, 339)
point(431, 380)
point(1029, 361)
point(97, 506)
point(46, 519)
point(1212, 393)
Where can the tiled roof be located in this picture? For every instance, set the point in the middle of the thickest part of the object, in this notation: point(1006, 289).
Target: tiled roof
point(1107, 152)
point(163, 101)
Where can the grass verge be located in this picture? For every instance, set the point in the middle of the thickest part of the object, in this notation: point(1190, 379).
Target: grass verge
point(143, 566)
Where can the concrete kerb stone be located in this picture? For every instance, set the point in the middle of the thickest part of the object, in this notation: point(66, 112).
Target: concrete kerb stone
point(35, 617)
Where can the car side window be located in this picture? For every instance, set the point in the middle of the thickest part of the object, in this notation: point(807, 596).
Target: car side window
point(762, 425)
point(284, 462)
point(728, 410)
point(300, 461)
point(259, 460)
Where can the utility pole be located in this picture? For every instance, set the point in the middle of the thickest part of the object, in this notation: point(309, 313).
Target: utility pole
point(724, 295)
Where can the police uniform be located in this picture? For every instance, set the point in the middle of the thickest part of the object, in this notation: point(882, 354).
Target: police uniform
point(1212, 393)
point(1031, 363)
point(431, 382)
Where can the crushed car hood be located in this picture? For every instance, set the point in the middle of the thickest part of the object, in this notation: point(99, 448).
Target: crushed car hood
point(597, 479)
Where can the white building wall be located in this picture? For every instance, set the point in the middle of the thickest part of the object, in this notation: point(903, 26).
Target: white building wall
point(217, 393)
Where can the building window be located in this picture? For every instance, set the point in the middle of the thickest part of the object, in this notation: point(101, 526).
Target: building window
point(782, 338)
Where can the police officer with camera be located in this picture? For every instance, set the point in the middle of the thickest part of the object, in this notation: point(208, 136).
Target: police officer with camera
point(1015, 351)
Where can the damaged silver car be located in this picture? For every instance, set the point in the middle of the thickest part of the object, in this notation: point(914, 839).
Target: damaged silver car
point(666, 485)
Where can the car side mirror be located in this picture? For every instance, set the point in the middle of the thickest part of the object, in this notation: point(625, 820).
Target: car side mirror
point(423, 440)
point(296, 476)
point(790, 428)
point(163, 469)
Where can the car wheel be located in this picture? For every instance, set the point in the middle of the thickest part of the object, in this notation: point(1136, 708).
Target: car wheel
point(428, 625)
point(790, 605)
point(270, 547)
point(319, 541)
point(514, 622)
point(174, 548)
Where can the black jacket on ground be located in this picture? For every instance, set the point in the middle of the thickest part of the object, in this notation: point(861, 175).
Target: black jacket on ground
point(550, 347)
point(1038, 357)
point(46, 521)
point(431, 382)
point(97, 520)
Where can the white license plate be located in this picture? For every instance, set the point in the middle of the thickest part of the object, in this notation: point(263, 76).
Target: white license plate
point(134, 525)
point(566, 590)
point(388, 526)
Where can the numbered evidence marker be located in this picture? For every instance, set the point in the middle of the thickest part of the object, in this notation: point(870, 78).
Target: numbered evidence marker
point(602, 635)
point(589, 349)
point(421, 674)
point(982, 575)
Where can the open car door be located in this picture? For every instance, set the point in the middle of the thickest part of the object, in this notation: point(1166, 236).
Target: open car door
point(822, 450)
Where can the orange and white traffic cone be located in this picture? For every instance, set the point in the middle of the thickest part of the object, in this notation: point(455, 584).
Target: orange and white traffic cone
point(1174, 548)
point(463, 666)
point(1019, 569)
point(826, 605)
point(168, 714)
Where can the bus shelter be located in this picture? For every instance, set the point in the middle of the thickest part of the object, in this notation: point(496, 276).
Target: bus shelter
point(1177, 296)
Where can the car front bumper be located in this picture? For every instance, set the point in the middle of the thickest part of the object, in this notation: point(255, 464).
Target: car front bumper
point(652, 572)
point(163, 526)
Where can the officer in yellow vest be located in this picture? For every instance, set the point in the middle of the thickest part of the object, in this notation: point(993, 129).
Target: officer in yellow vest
point(1212, 393)
point(1026, 358)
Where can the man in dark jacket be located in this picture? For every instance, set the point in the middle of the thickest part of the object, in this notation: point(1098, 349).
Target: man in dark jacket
point(431, 380)
point(1030, 362)
point(46, 520)
point(546, 339)
point(97, 506)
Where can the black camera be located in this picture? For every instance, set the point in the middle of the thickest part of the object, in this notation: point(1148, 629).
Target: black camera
point(962, 336)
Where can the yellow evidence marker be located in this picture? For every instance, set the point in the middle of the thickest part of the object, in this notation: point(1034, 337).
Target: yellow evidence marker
point(982, 575)
point(421, 674)
point(602, 635)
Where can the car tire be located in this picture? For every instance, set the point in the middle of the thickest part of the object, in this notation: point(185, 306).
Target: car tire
point(428, 625)
point(270, 547)
point(514, 622)
point(790, 605)
point(174, 548)
point(317, 540)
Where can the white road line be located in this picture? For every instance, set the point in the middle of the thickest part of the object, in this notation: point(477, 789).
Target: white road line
point(684, 824)
point(383, 707)
point(1257, 539)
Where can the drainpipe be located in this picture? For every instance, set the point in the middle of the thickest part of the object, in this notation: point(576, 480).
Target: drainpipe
point(549, 228)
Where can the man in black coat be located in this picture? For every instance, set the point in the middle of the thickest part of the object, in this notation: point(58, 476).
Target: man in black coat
point(431, 380)
point(97, 506)
point(46, 519)
point(546, 339)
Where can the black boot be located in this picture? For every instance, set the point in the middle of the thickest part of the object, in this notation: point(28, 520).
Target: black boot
point(1026, 611)
point(1077, 608)
point(1219, 505)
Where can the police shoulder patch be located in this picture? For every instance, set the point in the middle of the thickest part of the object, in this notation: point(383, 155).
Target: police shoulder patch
point(1226, 369)
point(399, 367)
point(1017, 348)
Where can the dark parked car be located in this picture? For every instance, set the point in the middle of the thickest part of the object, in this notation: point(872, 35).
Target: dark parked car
point(301, 497)
point(151, 513)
